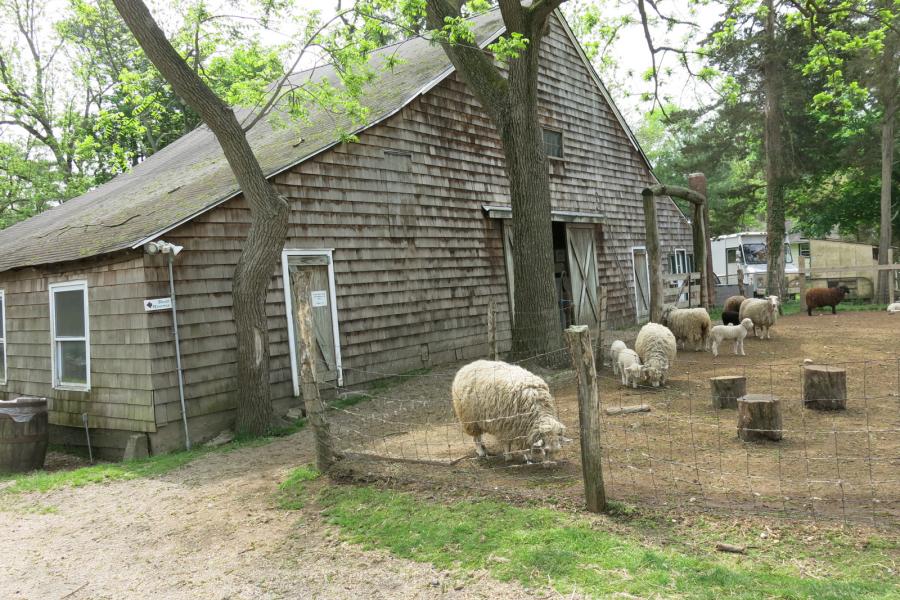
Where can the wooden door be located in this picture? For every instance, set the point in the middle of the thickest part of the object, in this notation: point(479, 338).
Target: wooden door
point(508, 261)
point(641, 284)
point(582, 250)
point(319, 301)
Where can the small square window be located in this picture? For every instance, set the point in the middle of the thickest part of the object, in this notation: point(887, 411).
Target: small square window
point(553, 143)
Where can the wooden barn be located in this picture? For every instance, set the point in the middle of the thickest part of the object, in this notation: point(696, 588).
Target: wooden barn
point(405, 233)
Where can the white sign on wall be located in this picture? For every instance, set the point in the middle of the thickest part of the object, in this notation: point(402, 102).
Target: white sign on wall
point(158, 304)
point(319, 298)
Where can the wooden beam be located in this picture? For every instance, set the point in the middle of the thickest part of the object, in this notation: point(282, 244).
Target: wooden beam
point(654, 260)
point(675, 191)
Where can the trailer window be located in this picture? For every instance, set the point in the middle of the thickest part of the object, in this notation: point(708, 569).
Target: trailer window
point(755, 254)
point(731, 255)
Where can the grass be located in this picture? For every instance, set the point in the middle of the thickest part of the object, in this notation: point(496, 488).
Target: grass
point(792, 307)
point(292, 491)
point(537, 546)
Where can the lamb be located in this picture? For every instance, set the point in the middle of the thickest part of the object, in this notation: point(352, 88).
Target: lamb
point(733, 304)
point(763, 312)
point(731, 317)
point(656, 347)
point(688, 324)
point(629, 365)
point(616, 347)
point(893, 308)
point(510, 403)
point(719, 333)
point(819, 297)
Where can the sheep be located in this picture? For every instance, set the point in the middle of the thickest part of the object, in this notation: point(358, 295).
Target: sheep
point(656, 347)
point(893, 308)
point(688, 324)
point(629, 365)
point(510, 403)
point(819, 297)
point(763, 312)
point(731, 317)
point(719, 333)
point(733, 304)
point(616, 347)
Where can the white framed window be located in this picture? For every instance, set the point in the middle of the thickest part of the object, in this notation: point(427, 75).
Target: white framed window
point(2, 337)
point(70, 336)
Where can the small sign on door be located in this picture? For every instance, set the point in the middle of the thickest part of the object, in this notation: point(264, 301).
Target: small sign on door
point(157, 304)
point(319, 298)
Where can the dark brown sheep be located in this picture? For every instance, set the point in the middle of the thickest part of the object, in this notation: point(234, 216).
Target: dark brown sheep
point(731, 317)
point(819, 297)
point(733, 304)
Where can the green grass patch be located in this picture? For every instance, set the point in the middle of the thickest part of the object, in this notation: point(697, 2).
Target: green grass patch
point(792, 307)
point(292, 491)
point(535, 546)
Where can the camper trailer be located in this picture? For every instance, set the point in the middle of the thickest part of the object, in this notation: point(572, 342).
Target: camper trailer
point(746, 252)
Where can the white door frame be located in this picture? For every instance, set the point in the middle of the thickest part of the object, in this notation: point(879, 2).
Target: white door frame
point(637, 316)
point(289, 311)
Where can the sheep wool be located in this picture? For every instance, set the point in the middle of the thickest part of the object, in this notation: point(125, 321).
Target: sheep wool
point(819, 297)
point(616, 347)
point(656, 347)
point(688, 325)
point(763, 312)
point(731, 317)
point(894, 308)
point(510, 403)
point(733, 303)
point(737, 333)
point(629, 366)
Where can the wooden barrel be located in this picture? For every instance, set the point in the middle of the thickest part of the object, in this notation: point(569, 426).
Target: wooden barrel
point(23, 434)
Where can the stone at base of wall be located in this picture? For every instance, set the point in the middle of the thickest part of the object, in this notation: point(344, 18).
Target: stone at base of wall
point(137, 447)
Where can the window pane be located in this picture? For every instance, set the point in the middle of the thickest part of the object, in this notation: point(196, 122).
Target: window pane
point(72, 364)
point(1, 317)
point(553, 143)
point(70, 313)
point(2, 360)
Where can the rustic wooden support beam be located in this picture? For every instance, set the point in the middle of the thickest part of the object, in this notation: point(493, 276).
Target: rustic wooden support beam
point(654, 260)
point(675, 191)
point(702, 243)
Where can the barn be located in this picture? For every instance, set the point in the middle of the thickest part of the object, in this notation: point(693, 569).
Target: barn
point(405, 234)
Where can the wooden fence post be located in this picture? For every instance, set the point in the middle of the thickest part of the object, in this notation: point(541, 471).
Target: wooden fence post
point(801, 281)
point(492, 330)
point(654, 261)
point(309, 385)
point(578, 338)
point(740, 282)
point(697, 182)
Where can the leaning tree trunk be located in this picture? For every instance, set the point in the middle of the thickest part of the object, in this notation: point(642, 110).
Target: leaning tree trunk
point(268, 211)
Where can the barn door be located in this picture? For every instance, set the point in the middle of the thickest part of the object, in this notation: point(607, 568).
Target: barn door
point(322, 311)
point(582, 250)
point(641, 284)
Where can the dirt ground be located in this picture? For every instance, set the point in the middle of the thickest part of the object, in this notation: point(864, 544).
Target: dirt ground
point(840, 465)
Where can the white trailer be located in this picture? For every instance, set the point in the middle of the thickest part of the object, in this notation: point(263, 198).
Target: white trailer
point(746, 251)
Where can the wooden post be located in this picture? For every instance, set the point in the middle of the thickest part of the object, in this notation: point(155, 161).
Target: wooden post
point(892, 283)
point(759, 418)
point(726, 390)
point(801, 281)
point(309, 385)
point(697, 182)
point(824, 387)
point(492, 330)
point(740, 280)
point(578, 338)
point(654, 260)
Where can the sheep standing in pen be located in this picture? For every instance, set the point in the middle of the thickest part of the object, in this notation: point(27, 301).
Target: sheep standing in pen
point(616, 347)
point(510, 403)
point(656, 347)
point(733, 304)
point(763, 312)
point(820, 297)
point(893, 308)
point(688, 325)
point(629, 365)
point(720, 333)
point(731, 317)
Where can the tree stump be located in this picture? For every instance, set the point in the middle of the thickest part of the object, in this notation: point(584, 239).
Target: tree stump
point(824, 387)
point(759, 417)
point(726, 390)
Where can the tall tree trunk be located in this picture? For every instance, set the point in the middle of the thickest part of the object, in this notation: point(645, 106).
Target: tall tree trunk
point(268, 210)
point(773, 85)
point(888, 89)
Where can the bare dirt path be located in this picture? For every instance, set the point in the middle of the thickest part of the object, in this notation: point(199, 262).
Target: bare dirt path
point(208, 530)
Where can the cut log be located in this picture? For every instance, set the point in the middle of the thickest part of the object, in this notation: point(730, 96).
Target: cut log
point(723, 547)
point(824, 387)
point(726, 390)
point(624, 410)
point(759, 417)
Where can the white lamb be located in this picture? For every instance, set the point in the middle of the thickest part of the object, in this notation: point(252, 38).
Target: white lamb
point(688, 325)
point(720, 333)
point(893, 308)
point(629, 365)
point(616, 347)
point(510, 403)
point(657, 348)
point(763, 312)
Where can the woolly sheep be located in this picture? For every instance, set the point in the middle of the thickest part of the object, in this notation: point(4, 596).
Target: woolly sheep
point(629, 365)
point(763, 312)
point(893, 308)
point(819, 297)
point(731, 317)
point(616, 347)
point(510, 403)
point(688, 325)
point(656, 348)
point(719, 333)
point(733, 303)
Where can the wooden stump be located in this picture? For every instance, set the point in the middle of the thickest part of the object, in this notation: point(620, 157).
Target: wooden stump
point(726, 390)
point(759, 417)
point(824, 387)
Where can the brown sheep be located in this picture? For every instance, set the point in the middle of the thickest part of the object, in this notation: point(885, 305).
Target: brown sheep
point(819, 297)
point(733, 304)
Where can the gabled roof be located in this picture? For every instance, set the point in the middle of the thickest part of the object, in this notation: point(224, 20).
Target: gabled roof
point(191, 175)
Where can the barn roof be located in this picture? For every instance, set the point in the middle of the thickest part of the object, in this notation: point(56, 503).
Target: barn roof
point(191, 175)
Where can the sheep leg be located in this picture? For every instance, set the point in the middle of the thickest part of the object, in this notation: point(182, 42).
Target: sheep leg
point(480, 450)
point(715, 348)
point(624, 378)
point(507, 452)
point(809, 310)
point(834, 309)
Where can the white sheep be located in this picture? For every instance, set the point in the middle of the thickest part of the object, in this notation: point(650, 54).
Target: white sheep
point(510, 403)
point(616, 347)
point(688, 325)
point(719, 333)
point(629, 365)
point(657, 348)
point(893, 308)
point(763, 312)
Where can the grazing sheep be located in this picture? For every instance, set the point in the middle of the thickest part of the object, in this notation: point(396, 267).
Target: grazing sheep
point(629, 365)
point(616, 347)
point(733, 303)
point(656, 347)
point(819, 297)
point(511, 404)
point(763, 312)
point(688, 325)
point(720, 333)
point(731, 317)
point(893, 308)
